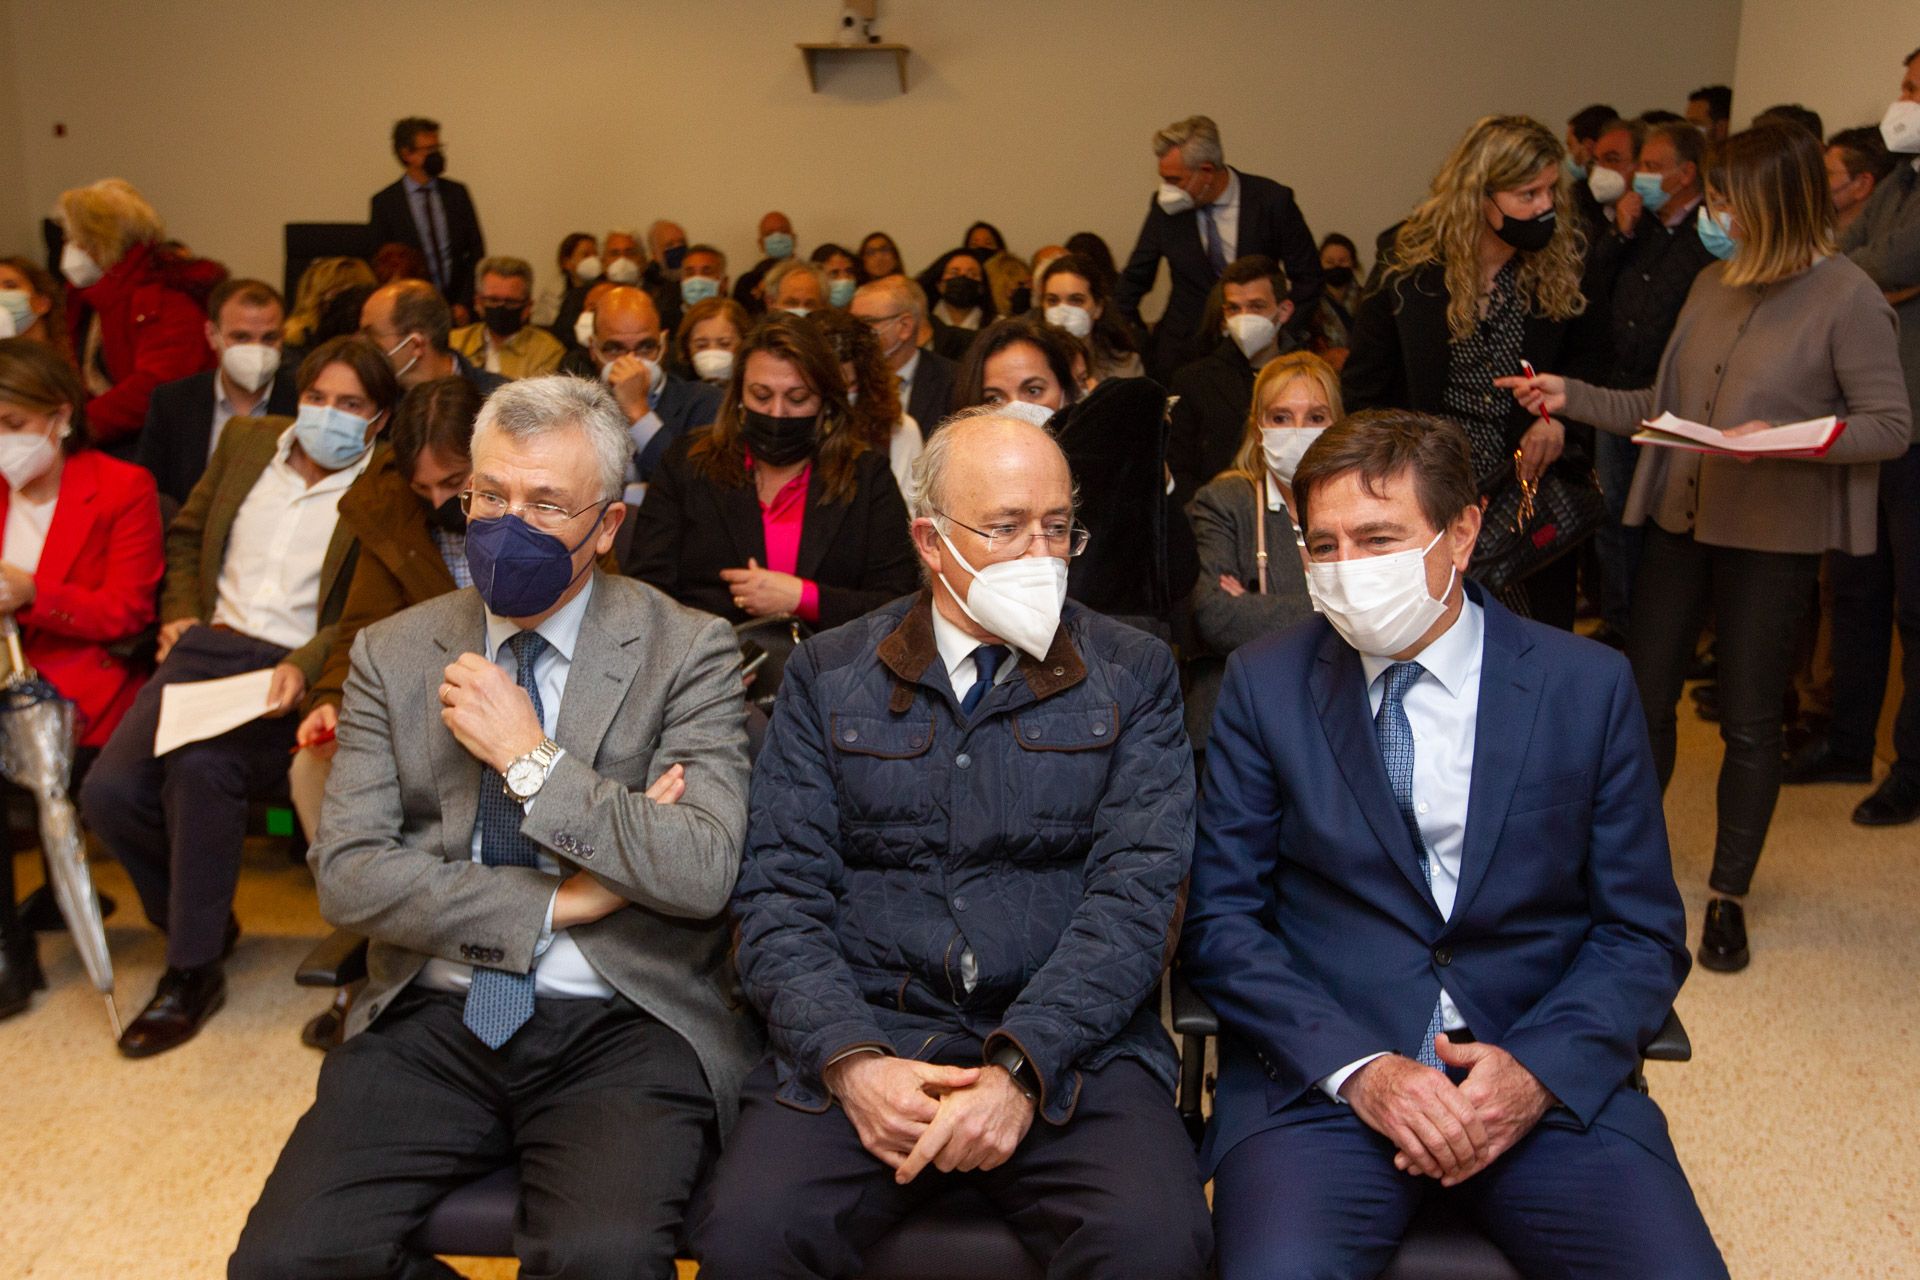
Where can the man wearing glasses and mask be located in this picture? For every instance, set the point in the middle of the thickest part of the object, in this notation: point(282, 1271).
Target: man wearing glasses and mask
point(535, 813)
point(628, 352)
point(972, 815)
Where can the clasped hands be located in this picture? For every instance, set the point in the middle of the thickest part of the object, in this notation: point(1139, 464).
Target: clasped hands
point(1443, 1130)
point(910, 1114)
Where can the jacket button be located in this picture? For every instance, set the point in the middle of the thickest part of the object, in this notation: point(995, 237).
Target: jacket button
point(1059, 671)
point(960, 903)
point(1442, 956)
point(1099, 729)
point(962, 761)
point(373, 1010)
point(586, 851)
point(1033, 731)
point(850, 735)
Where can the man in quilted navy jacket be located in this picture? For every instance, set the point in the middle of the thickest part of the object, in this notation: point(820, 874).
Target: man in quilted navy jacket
point(967, 835)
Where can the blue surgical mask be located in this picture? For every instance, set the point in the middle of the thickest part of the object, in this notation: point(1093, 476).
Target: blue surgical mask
point(1576, 171)
point(778, 245)
point(1716, 233)
point(518, 570)
point(332, 437)
point(18, 303)
point(1652, 194)
point(698, 289)
point(840, 292)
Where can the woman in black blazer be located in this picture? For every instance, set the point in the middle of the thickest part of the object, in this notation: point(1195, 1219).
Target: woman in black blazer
point(779, 507)
point(1484, 273)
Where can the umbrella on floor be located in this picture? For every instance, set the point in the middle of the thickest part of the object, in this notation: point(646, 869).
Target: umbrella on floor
point(36, 755)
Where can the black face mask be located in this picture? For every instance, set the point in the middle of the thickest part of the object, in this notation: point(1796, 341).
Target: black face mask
point(1339, 277)
point(447, 517)
point(435, 164)
point(962, 293)
point(504, 321)
point(1528, 235)
point(980, 254)
point(779, 442)
point(1020, 300)
point(674, 257)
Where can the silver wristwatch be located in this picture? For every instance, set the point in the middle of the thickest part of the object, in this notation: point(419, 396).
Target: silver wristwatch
point(526, 775)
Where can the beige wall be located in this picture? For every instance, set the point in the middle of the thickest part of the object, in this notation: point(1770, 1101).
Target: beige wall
point(1840, 57)
point(238, 117)
point(18, 229)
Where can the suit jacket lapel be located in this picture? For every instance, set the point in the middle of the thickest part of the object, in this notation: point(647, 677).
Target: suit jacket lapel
point(1509, 700)
point(739, 510)
point(819, 524)
point(598, 677)
point(73, 516)
point(456, 773)
point(1340, 697)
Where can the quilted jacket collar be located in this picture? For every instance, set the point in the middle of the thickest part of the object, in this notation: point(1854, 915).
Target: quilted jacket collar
point(909, 652)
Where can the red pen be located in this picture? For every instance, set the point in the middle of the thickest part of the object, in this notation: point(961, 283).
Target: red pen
point(1526, 367)
point(320, 740)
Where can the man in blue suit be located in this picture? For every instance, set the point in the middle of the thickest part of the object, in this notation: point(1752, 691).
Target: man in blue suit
point(1433, 907)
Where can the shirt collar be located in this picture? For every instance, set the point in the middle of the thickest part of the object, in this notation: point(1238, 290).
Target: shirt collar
point(562, 630)
point(955, 645)
point(417, 186)
point(1450, 658)
point(1230, 198)
point(906, 371)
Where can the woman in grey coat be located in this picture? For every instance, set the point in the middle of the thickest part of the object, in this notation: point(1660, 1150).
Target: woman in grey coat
point(1782, 331)
point(1252, 582)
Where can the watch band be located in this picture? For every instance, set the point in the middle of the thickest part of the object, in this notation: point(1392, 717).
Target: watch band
point(1009, 1059)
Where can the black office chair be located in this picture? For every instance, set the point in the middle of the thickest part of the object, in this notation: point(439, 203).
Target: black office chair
point(1439, 1244)
point(306, 241)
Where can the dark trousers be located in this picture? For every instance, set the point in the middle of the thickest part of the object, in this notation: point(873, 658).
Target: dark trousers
point(1319, 1198)
point(1873, 594)
point(177, 822)
point(1759, 601)
point(1111, 1194)
point(605, 1109)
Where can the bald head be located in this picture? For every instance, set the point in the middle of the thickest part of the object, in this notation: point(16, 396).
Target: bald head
point(775, 221)
point(625, 322)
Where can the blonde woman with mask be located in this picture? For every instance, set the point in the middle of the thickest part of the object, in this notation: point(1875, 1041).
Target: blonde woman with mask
point(1483, 274)
point(1251, 580)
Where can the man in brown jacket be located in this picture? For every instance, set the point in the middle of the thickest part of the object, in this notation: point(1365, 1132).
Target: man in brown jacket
point(257, 571)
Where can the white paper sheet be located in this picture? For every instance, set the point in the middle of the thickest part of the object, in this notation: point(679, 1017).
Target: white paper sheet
point(195, 710)
point(1806, 438)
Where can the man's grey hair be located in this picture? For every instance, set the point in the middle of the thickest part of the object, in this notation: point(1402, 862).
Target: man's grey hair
point(1198, 138)
point(926, 488)
point(898, 292)
point(917, 297)
point(533, 407)
point(506, 269)
point(778, 273)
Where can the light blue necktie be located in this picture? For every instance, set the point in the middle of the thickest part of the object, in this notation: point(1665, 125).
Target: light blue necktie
point(1216, 248)
point(499, 1002)
point(1395, 735)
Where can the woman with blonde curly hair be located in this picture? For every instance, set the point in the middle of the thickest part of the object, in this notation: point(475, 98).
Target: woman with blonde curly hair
point(323, 278)
point(1485, 273)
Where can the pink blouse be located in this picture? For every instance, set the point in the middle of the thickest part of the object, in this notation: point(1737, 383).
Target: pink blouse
point(781, 520)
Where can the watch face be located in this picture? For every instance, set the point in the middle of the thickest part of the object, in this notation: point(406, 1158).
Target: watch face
point(524, 778)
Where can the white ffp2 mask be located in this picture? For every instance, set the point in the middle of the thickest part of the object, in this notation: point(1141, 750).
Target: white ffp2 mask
point(1252, 334)
point(1379, 604)
point(1018, 600)
point(1285, 446)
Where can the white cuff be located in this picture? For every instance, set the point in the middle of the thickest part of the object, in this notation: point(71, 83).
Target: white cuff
point(546, 928)
point(1331, 1084)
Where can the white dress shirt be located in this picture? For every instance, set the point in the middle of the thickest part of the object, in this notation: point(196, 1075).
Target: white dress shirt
point(26, 532)
point(560, 970)
point(905, 374)
point(224, 410)
point(1442, 708)
point(641, 433)
point(269, 584)
point(903, 447)
point(1225, 213)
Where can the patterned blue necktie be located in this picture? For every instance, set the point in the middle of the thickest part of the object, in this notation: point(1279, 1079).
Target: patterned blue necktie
point(499, 1003)
point(1395, 735)
point(1216, 248)
point(986, 661)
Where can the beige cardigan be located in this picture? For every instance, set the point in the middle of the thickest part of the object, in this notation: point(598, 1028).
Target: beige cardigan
point(1822, 342)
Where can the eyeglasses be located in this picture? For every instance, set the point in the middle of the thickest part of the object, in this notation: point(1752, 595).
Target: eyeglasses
point(481, 504)
point(1062, 536)
point(648, 347)
point(874, 322)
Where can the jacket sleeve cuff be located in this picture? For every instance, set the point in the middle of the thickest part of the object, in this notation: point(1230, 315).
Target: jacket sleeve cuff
point(809, 608)
point(1059, 1083)
point(1330, 1084)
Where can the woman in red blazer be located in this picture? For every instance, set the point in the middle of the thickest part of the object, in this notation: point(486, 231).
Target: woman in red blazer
point(80, 561)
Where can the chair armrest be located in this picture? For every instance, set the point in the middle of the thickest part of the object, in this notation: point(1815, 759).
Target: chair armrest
point(1192, 1016)
point(1670, 1043)
point(336, 960)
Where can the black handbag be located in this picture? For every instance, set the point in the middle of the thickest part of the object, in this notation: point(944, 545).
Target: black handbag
point(1527, 526)
point(765, 646)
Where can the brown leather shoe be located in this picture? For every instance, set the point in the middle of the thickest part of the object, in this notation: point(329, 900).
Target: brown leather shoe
point(181, 1005)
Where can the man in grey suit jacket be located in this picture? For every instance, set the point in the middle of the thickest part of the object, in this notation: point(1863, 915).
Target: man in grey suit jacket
point(536, 813)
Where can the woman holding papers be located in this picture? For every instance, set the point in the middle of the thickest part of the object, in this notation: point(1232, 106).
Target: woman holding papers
point(79, 560)
point(1781, 331)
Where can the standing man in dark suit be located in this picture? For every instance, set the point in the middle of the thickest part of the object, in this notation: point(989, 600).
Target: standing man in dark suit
point(1433, 904)
point(431, 212)
point(185, 418)
point(535, 812)
point(1204, 216)
point(895, 309)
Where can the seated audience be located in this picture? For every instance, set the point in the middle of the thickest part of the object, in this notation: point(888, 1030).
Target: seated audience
point(185, 418)
point(393, 262)
point(625, 256)
point(779, 507)
point(1583, 130)
point(1246, 530)
point(1435, 954)
point(777, 244)
point(984, 241)
point(1782, 331)
point(873, 398)
point(1089, 245)
point(257, 574)
point(413, 327)
point(577, 263)
point(35, 305)
point(322, 281)
point(1710, 110)
point(703, 275)
point(795, 286)
point(667, 257)
point(502, 339)
point(137, 309)
point(594, 272)
point(972, 818)
point(842, 270)
point(1332, 320)
point(430, 213)
point(1208, 423)
point(1009, 284)
point(880, 256)
point(1045, 254)
point(963, 307)
point(894, 308)
point(79, 559)
point(709, 339)
point(1616, 154)
point(520, 1010)
point(1794, 113)
point(1857, 163)
point(1072, 295)
point(629, 351)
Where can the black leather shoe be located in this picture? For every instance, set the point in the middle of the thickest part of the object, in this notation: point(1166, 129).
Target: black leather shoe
point(1895, 803)
point(1723, 941)
point(41, 911)
point(1816, 762)
point(20, 974)
point(181, 1005)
